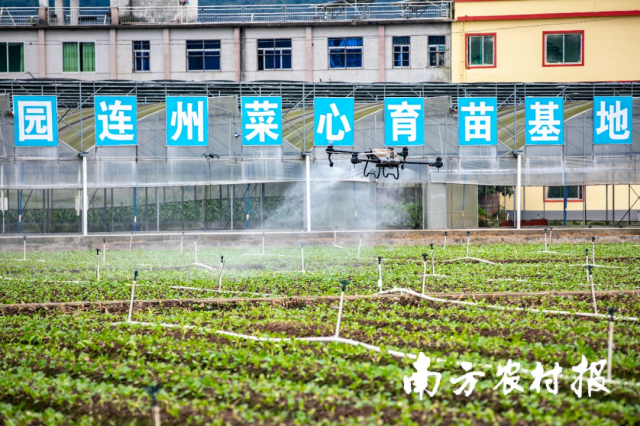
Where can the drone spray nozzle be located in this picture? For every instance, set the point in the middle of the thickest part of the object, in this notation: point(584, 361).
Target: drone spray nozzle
point(354, 158)
point(405, 152)
point(438, 163)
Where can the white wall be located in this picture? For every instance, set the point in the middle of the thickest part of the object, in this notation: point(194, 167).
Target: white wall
point(30, 40)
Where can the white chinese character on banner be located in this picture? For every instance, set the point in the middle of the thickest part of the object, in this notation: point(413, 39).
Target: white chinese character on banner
point(509, 381)
point(328, 120)
point(469, 379)
point(189, 119)
point(477, 126)
point(595, 382)
point(403, 120)
point(116, 121)
point(544, 126)
point(614, 120)
point(38, 117)
point(538, 374)
point(420, 379)
point(261, 115)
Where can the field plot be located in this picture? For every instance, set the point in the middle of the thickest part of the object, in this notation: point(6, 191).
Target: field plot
point(203, 345)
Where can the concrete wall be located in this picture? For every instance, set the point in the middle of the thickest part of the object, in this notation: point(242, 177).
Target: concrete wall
point(31, 56)
point(310, 56)
point(53, 52)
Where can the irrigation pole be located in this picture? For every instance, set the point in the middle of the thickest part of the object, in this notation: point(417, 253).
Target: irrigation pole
point(131, 241)
point(359, 245)
point(424, 270)
point(445, 241)
point(104, 250)
point(344, 287)
point(85, 198)
point(380, 272)
point(302, 256)
point(133, 290)
point(263, 243)
point(518, 184)
point(24, 248)
point(98, 265)
point(221, 269)
point(593, 292)
point(195, 249)
point(610, 352)
point(308, 184)
point(593, 250)
point(182, 242)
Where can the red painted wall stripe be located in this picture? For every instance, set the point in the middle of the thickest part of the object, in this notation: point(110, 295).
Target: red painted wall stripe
point(550, 15)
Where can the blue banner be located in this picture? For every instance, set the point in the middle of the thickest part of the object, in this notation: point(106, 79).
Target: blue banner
point(333, 121)
point(187, 121)
point(477, 121)
point(612, 120)
point(544, 121)
point(403, 121)
point(116, 120)
point(35, 120)
point(261, 121)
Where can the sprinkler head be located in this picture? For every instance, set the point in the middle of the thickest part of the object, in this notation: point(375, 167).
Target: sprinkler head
point(263, 235)
point(589, 268)
point(195, 238)
point(97, 252)
point(611, 311)
point(551, 229)
point(344, 284)
point(24, 238)
point(104, 241)
point(135, 275)
point(153, 392)
point(301, 245)
point(431, 246)
point(468, 233)
point(379, 260)
point(221, 259)
point(593, 239)
point(586, 251)
point(445, 233)
point(424, 256)
point(183, 233)
point(361, 236)
point(545, 230)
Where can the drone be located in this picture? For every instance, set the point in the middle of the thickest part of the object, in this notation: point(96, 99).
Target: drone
point(386, 158)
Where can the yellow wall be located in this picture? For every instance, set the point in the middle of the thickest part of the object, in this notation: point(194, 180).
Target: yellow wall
point(596, 199)
point(611, 44)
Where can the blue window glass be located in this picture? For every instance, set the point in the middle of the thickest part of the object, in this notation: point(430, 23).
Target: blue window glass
point(141, 56)
point(345, 52)
point(203, 55)
point(401, 52)
point(274, 54)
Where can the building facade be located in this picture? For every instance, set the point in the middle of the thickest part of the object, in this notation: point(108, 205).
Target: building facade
point(545, 41)
point(189, 43)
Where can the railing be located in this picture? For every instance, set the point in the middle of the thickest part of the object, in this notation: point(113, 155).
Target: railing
point(80, 16)
point(24, 16)
point(18, 16)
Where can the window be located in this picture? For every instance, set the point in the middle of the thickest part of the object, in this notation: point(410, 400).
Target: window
point(556, 193)
point(436, 51)
point(563, 48)
point(481, 50)
point(203, 55)
point(141, 61)
point(11, 57)
point(345, 52)
point(78, 57)
point(401, 52)
point(274, 54)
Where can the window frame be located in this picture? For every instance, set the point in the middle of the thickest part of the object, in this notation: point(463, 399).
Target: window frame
point(7, 43)
point(95, 59)
point(133, 49)
point(186, 55)
point(544, 48)
point(444, 52)
point(466, 50)
point(393, 53)
point(344, 48)
point(273, 49)
point(561, 200)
